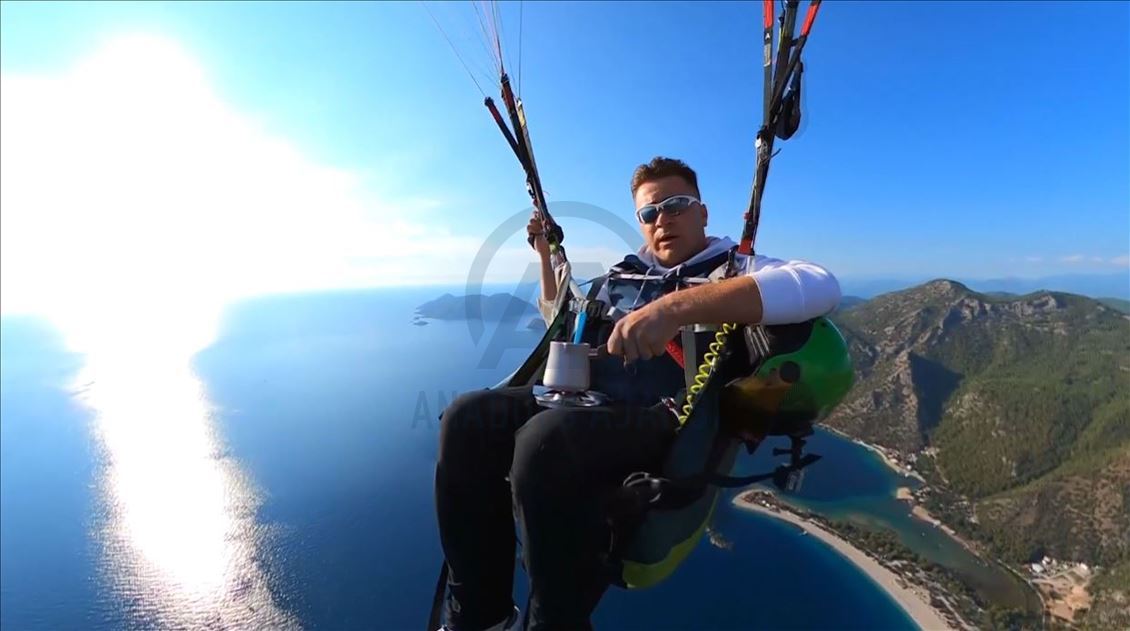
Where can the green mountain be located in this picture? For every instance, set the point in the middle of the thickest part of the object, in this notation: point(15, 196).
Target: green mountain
point(847, 302)
point(1117, 303)
point(1017, 408)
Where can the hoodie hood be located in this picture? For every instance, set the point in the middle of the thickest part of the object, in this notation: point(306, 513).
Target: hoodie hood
point(714, 247)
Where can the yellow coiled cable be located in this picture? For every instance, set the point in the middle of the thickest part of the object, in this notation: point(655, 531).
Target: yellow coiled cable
point(704, 370)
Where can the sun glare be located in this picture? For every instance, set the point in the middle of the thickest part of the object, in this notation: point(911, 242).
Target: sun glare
point(131, 186)
point(129, 197)
point(130, 183)
point(178, 531)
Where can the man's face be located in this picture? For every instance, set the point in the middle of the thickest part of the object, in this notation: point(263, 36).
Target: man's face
point(672, 239)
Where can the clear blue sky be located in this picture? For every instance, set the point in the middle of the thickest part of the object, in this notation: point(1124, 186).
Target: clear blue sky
point(964, 139)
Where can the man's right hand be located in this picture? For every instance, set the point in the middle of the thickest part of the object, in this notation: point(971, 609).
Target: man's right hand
point(534, 231)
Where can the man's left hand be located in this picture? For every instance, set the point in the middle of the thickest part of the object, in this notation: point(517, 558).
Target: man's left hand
point(643, 333)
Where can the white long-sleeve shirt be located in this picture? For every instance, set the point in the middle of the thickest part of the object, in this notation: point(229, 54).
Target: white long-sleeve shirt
point(791, 291)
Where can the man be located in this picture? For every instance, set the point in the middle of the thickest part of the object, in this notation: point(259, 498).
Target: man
point(503, 459)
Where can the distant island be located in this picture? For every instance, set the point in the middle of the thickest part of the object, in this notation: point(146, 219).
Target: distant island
point(494, 307)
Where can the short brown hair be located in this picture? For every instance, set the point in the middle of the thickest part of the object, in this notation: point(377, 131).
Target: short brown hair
point(661, 167)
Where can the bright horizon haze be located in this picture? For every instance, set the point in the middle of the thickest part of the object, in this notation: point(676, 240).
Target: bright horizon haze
point(204, 152)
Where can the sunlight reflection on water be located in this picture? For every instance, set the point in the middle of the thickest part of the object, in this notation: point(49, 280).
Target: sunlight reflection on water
point(179, 540)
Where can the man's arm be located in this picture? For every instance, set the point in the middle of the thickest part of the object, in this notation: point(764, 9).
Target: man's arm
point(549, 281)
point(731, 300)
point(548, 278)
point(777, 292)
point(548, 273)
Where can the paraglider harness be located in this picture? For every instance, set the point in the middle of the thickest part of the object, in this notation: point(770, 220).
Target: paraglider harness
point(743, 383)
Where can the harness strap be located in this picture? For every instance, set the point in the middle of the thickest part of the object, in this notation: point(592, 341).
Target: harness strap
point(592, 308)
point(437, 599)
point(691, 280)
point(677, 493)
point(690, 369)
point(597, 285)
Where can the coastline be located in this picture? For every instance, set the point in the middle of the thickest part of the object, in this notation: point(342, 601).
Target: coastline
point(906, 494)
point(912, 497)
point(913, 600)
point(921, 513)
point(892, 463)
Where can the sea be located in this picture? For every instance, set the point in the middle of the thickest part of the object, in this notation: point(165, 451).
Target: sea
point(276, 472)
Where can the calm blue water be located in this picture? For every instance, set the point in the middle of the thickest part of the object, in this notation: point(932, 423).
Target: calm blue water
point(282, 477)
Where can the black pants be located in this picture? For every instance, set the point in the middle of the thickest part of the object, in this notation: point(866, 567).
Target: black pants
point(561, 464)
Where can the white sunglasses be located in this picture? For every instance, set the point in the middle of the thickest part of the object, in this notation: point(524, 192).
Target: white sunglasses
point(674, 205)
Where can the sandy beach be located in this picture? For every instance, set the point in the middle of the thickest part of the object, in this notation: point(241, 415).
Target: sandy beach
point(920, 512)
point(914, 601)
